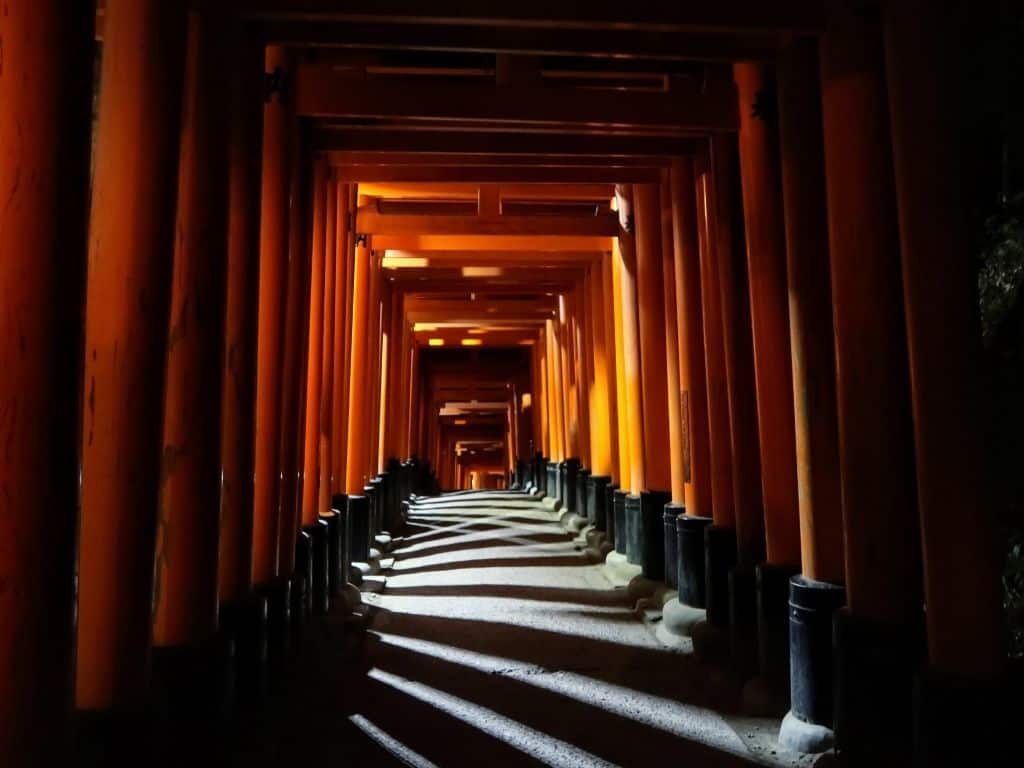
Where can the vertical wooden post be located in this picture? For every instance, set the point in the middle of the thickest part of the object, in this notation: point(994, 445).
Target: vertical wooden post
point(130, 254)
point(358, 438)
point(343, 308)
point(45, 89)
point(602, 413)
point(739, 361)
point(671, 335)
point(185, 595)
point(693, 406)
point(239, 378)
point(321, 274)
point(883, 577)
point(334, 234)
point(625, 475)
point(651, 315)
point(277, 139)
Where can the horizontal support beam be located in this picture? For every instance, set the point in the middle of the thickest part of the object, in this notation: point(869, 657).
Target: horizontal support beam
point(368, 221)
point(497, 174)
point(663, 45)
point(357, 158)
point(806, 16)
point(330, 138)
point(429, 244)
point(470, 191)
point(690, 104)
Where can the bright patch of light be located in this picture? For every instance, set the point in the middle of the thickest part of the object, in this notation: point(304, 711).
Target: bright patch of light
point(540, 746)
point(482, 271)
point(390, 743)
point(435, 342)
point(472, 342)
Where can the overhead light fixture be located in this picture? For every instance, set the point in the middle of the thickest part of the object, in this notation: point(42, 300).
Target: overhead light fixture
point(404, 262)
point(472, 342)
point(435, 342)
point(477, 331)
point(482, 271)
point(460, 422)
point(417, 327)
point(526, 343)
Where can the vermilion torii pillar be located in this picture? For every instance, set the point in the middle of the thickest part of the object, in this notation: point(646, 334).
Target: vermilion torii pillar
point(766, 273)
point(358, 425)
point(129, 285)
point(315, 356)
point(44, 166)
point(878, 636)
point(239, 378)
point(693, 405)
point(277, 127)
point(964, 618)
point(185, 594)
point(344, 304)
point(671, 335)
point(814, 386)
point(328, 209)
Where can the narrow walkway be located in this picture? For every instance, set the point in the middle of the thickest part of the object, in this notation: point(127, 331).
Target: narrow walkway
point(494, 640)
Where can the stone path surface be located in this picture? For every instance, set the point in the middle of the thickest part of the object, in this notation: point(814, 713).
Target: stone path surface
point(494, 640)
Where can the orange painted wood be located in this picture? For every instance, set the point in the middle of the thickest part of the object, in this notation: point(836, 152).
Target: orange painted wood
point(769, 313)
point(739, 359)
point(676, 444)
point(723, 509)
point(690, 334)
point(358, 423)
point(272, 284)
point(334, 246)
point(883, 570)
point(651, 314)
point(185, 598)
point(320, 275)
point(965, 622)
point(296, 329)
point(239, 378)
point(632, 387)
point(810, 313)
point(697, 105)
point(622, 417)
point(45, 89)
point(343, 307)
point(602, 415)
point(129, 271)
point(371, 222)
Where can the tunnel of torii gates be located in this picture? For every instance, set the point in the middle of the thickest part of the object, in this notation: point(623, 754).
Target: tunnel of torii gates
point(694, 273)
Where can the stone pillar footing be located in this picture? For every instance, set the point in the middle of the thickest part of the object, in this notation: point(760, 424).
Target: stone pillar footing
point(768, 693)
point(246, 621)
point(875, 668)
point(812, 606)
point(597, 497)
point(617, 517)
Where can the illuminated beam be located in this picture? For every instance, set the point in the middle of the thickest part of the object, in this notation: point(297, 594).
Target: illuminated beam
point(691, 104)
point(542, 244)
point(369, 222)
point(538, 174)
point(356, 158)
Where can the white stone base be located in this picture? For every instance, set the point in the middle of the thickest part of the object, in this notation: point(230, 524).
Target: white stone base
point(383, 541)
point(799, 736)
point(678, 619)
point(619, 571)
point(551, 504)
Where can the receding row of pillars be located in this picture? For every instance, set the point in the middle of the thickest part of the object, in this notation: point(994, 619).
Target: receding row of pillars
point(196, 346)
point(788, 355)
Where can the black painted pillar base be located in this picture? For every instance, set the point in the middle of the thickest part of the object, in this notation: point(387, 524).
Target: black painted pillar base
point(652, 533)
point(743, 639)
point(597, 499)
point(359, 515)
point(669, 518)
point(812, 609)
point(563, 484)
point(966, 722)
point(582, 502)
point(634, 539)
point(246, 621)
point(302, 581)
point(194, 683)
point(332, 520)
point(278, 594)
point(609, 513)
point(875, 668)
point(621, 531)
point(719, 560)
point(773, 637)
point(690, 546)
point(320, 590)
